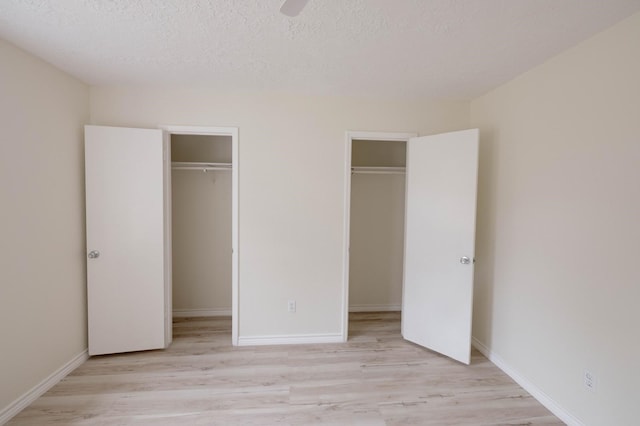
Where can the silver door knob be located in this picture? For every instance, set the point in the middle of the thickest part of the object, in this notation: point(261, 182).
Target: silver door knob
point(93, 254)
point(465, 260)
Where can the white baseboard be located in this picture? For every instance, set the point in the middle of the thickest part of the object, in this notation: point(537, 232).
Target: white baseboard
point(190, 313)
point(527, 385)
point(375, 308)
point(38, 390)
point(289, 339)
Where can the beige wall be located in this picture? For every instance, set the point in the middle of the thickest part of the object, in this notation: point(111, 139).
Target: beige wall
point(292, 159)
point(377, 241)
point(201, 148)
point(201, 222)
point(42, 272)
point(557, 281)
point(376, 227)
point(376, 153)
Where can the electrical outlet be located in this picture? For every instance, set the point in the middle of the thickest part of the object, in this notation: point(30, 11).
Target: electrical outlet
point(590, 381)
point(291, 306)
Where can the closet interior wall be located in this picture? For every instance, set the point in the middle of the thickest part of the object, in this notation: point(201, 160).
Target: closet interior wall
point(377, 226)
point(201, 226)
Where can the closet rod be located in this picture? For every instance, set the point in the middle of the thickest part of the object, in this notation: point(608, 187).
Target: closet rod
point(177, 165)
point(204, 169)
point(378, 170)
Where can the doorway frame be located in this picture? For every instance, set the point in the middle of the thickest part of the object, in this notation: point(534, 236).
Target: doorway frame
point(235, 211)
point(349, 137)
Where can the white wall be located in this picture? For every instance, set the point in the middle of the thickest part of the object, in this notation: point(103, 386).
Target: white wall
point(558, 277)
point(201, 222)
point(42, 267)
point(292, 159)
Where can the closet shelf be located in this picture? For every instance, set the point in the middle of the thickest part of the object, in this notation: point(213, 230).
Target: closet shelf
point(378, 170)
point(182, 165)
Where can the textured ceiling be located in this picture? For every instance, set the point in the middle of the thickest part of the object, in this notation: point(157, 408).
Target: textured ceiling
point(381, 48)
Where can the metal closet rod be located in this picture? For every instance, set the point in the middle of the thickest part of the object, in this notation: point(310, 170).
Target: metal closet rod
point(378, 170)
point(180, 165)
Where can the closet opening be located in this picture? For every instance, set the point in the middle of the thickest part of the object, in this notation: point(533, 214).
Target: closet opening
point(409, 238)
point(374, 221)
point(204, 234)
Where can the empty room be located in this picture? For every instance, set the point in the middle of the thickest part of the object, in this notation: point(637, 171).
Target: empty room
point(332, 212)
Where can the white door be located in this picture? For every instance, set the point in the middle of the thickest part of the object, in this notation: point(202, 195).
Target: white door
point(439, 242)
point(126, 199)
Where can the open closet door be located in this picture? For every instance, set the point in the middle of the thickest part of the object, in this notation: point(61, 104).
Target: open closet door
point(439, 242)
point(128, 279)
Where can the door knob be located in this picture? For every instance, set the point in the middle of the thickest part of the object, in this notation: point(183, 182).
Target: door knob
point(93, 254)
point(465, 260)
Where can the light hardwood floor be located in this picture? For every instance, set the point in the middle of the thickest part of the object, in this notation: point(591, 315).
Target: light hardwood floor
point(376, 378)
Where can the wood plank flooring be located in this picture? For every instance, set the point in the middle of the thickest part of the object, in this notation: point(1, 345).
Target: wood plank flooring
point(376, 378)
